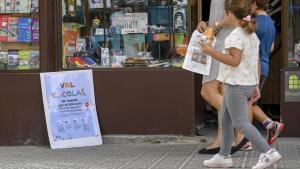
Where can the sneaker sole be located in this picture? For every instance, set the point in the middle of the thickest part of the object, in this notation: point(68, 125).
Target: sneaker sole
point(276, 136)
point(219, 166)
point(273, 161)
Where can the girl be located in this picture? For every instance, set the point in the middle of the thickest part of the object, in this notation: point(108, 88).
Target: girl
point(239, 73)
point(213, 90)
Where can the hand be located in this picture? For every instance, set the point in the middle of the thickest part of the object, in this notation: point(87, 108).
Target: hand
point(256, 94)
point(206, 48)
point(202, 26)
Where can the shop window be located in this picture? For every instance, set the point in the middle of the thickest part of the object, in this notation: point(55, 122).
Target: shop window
point(294, 33)
point(124, 33)
point(19, 35)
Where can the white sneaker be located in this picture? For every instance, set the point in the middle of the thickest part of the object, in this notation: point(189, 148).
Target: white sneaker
point(218, 161)
point(267, 159)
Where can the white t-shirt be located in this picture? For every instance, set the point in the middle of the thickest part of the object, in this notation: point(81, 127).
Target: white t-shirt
point(246, 73)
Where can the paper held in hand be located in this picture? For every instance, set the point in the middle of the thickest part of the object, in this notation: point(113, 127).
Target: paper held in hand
point(195, 61)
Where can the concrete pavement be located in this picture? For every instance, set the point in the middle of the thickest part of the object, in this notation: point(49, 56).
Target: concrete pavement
point(135, 156)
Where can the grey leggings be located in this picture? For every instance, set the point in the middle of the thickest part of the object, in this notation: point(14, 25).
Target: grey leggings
point(234, 112)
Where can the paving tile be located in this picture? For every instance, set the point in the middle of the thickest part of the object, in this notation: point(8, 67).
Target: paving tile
point(135, 156)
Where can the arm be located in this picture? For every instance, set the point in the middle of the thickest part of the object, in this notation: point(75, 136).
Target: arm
point(231, 59)
point(272, 47)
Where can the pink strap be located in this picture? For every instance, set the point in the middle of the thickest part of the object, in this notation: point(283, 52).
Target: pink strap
point(247, 18)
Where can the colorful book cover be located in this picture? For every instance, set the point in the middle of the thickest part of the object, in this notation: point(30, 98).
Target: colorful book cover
point(24, 30)
point(7, 6)
point(3, 60)
point(34, 60)
point(13, 60)
point(35, 30)
point(12, 29)
point(13, 6)
point(117, 21)
point(2, 6)
point(24, 56)
point(180, 19)
point(23, 6)
point(34, 6)
point(133, 44)
point(4, 28)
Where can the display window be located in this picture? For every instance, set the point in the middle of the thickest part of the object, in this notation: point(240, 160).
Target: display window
point(124, 33)
point(19, 35)
point(294, 33)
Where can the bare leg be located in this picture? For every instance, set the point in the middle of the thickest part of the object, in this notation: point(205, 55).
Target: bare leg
point(212, 92)
point(258, 114)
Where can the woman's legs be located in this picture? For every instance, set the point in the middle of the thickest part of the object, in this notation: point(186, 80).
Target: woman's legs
point(212, 92)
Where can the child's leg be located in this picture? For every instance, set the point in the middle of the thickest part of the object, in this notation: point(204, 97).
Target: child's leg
point(227, 129)
point(236, 101)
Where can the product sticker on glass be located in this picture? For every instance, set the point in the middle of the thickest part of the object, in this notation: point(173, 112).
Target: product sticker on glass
point(135, 23)
point(292, 86)
point(180, 19)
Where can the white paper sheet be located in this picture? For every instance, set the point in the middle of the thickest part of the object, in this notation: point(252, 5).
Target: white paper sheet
point(195, 61)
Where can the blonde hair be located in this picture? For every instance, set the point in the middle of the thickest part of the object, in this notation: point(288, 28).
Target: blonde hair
point(241, 9)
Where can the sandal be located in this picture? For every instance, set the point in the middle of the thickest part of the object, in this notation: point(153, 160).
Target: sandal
point(247, 147)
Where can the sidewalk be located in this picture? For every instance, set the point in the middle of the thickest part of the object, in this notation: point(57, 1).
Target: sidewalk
point(134, 156)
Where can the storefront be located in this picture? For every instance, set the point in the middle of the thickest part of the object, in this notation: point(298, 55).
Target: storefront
point(290, 74)
point(136, 51)
point(140, 87)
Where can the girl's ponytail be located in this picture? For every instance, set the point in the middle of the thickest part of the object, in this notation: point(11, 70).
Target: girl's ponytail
point(249, 25)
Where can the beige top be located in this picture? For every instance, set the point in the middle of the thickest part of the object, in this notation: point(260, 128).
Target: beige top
point(246, 73)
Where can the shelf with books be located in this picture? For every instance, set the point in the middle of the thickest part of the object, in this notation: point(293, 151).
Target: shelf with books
point(19, 46)
point(19, 35)
point(120, 33)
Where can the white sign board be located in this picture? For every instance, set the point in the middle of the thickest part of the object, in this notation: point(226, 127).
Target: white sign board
point(70, 109)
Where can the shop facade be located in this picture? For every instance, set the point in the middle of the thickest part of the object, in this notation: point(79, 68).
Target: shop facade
point(136, 51)
point(134, 99)
point(290, 73)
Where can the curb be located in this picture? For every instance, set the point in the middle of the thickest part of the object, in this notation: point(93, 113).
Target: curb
point(154, 139)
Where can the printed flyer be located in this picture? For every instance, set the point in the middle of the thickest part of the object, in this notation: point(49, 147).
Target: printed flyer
point(70, 109)
point(195, 61)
